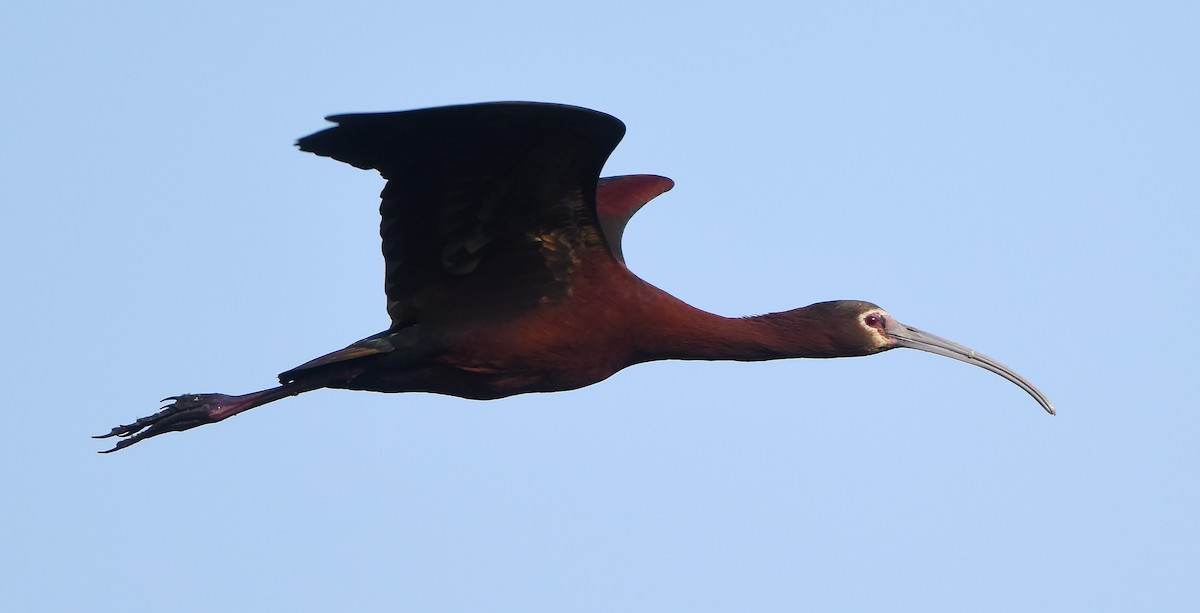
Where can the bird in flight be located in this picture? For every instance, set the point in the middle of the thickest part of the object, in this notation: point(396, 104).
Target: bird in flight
point(504, 272)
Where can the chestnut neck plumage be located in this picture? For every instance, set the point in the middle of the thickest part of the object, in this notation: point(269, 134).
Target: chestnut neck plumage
point(683, 332)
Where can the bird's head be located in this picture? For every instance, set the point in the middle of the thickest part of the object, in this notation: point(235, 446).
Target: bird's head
point(865, 329)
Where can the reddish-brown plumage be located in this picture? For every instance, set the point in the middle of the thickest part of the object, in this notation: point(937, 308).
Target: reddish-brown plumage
point(505, 274)
point(618, 198)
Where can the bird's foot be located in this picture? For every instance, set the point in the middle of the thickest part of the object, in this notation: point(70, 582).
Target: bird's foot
point(188, 411)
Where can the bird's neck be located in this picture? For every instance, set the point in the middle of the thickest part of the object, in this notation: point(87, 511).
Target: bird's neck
point(692, 334)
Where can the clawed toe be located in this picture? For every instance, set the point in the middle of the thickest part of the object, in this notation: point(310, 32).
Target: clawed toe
point(185, 412)
point(191, 410)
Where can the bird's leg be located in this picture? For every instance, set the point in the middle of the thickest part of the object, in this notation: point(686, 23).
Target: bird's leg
point(191, 410)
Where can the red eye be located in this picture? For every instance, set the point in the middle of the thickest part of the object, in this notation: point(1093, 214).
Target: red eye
point(874, 320)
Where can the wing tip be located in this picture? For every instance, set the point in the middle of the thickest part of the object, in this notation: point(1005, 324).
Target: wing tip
point(355, 133)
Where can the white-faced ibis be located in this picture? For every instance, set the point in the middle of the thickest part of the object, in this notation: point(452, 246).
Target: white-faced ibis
point(504, 272)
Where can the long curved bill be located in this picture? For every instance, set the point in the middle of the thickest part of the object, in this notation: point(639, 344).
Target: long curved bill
point(912, 338)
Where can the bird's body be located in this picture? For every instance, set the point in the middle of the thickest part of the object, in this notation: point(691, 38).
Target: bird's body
point(505, 274)
point(559, 346)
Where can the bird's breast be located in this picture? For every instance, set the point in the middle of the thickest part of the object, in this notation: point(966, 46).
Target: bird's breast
point(560, 345)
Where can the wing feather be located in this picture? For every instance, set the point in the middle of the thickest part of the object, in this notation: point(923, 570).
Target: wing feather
point(487, 208)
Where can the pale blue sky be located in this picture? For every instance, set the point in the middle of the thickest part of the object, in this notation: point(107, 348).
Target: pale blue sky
point(1020, 177)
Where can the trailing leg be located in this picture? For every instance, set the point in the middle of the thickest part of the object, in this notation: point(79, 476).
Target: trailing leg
point(191, 410)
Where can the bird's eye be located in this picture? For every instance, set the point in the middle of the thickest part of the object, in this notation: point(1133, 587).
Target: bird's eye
point(875, 320)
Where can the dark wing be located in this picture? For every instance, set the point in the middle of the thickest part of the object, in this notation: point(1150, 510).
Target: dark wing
point(488, 207)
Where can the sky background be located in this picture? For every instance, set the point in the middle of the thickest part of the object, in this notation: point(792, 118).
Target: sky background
point(1020, 177)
